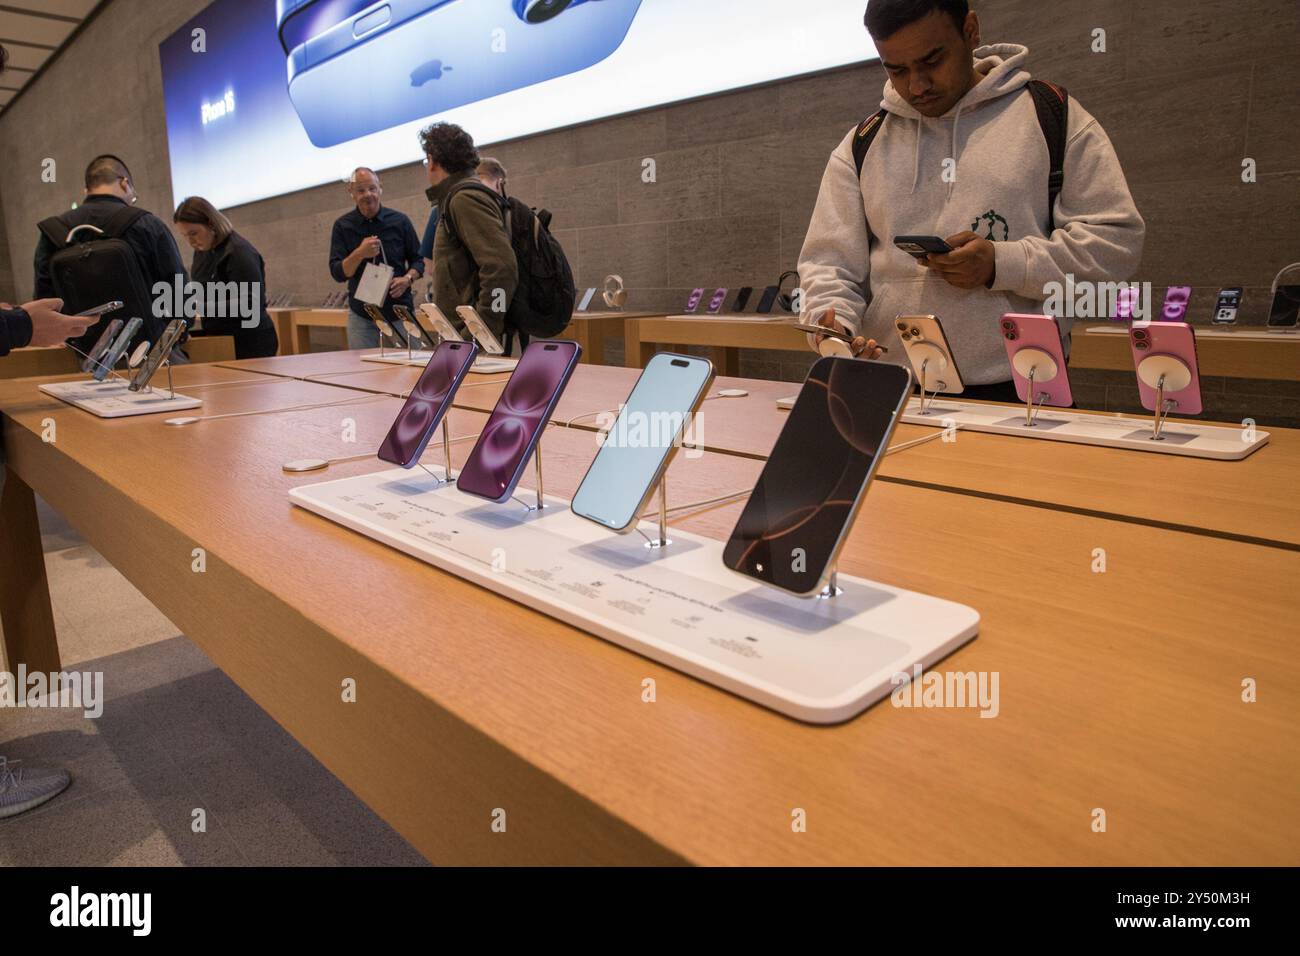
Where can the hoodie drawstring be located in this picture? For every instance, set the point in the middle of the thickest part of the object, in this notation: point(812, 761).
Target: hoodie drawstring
point(952, 181)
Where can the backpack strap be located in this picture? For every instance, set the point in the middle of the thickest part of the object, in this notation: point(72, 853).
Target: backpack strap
point(865, 136)
point(444, 210)
point(1052, 104)
point(55, 229)
point(122, 220)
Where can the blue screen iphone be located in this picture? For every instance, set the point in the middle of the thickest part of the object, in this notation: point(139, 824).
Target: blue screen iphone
point(640, 446)
point(356, 67)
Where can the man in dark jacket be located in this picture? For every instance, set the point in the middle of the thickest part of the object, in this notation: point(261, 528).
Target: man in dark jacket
point(473, 261)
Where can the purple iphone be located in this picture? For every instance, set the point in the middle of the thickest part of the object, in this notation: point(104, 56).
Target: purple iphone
point(512, 430)
point(1176, 298)
point(716, 302)
point(693, 302)
point(427, 403)
point(1034, 344)
point(1163, 341)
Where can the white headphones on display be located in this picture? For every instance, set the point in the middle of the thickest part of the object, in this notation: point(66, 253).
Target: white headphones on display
point(615, 295)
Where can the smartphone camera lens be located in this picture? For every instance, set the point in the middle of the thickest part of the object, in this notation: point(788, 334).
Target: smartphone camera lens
point(1140, 334)
point(902, 326)
point(1008, 326)
point(1140, 345)
point(916, 333)
point(1011, 336)
point(905, 336)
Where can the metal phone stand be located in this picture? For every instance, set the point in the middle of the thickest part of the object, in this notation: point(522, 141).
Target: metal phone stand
point(932, 357)
point(661, 540)
point(1164, 373)
point(448, 476)
point(1037, 366)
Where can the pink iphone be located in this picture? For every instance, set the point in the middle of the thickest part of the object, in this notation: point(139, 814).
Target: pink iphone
point(1171, 349)
point(1034, 344)
point(1176, 299)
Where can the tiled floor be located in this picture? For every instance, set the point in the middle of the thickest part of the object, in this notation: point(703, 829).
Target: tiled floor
point(176, 736)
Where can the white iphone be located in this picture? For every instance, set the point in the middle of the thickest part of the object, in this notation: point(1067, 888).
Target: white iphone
point(478, 328)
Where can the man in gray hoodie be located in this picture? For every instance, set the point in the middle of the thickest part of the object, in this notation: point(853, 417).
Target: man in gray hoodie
point(960, 154)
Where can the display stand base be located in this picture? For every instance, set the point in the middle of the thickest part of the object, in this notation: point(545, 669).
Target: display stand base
point(1179, 436)
point(112, 398)
point(491, 364)
point(398, 357)
point(821, 661)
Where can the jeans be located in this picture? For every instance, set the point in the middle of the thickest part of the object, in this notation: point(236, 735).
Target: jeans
point(362, 332)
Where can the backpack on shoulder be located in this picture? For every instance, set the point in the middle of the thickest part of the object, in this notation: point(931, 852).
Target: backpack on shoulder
point(1052, 105)
point(92, 266)
point(543, 302)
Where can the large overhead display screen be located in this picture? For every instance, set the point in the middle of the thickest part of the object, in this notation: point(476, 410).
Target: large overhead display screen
point(265, 97)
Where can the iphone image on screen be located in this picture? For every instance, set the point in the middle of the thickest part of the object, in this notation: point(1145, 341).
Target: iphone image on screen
point(646, 434)
point(512, 431)
point(814, 482)
point(427, 403)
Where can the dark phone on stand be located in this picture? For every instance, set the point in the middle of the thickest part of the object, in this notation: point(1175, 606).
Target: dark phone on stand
point(512, 431)
point(800, 512)
point(742, 298)
point(768, 299)
point(427, 403)
point(1285, 308)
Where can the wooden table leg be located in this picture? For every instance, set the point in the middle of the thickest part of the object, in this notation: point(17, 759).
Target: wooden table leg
point(635, 352)
point(25, 611)
point(593, 350)
point(301, 338)
point(726, 360)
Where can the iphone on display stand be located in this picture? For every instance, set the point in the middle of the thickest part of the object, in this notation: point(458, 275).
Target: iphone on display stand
point(693, 300)
point(742, 298)
point(427, 405)
point(626, 470)
point(386, 330)
point(930, 355)
point(1038, 367)
point(811, 488)
point(1164, 355)
point(514, 428)
point(1176, 299)
point(487, 339)
point(412, 328)
point(160, 352)
point(106, 339)
point(586, 299)
point(715, 303)
point(113, 354)
point(767, 299)
point(1227, 304)
point(1285, 310)
point(442, 326)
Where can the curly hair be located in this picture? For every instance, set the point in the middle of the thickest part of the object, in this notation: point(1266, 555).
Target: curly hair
point(450, 147)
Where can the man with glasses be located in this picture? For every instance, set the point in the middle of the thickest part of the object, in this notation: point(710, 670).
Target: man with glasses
point(373, 233)
point(109, 191)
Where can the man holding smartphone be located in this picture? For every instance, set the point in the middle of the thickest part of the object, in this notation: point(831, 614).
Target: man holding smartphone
point(959, 152)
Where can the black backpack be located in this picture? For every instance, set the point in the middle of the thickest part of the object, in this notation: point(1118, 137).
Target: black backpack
point(1051, 103)
point(543, 301)
point(92, 266)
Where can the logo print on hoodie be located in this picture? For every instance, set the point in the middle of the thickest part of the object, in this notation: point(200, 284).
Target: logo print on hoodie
point(995, 224)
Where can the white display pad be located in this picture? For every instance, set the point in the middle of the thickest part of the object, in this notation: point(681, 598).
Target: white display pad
point(112, 398)
point(399, 357)
point(483, 365)
point(1180, 437)
point(818, 660)
point(786, 403)
point(739, 316)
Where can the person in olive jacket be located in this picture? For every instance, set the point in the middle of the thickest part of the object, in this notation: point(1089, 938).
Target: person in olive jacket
point(473, 261)
point(221, 256)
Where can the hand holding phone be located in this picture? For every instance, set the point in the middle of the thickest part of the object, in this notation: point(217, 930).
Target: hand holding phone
point(918, 247)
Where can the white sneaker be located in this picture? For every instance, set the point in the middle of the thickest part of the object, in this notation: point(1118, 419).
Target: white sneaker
point(27, 788)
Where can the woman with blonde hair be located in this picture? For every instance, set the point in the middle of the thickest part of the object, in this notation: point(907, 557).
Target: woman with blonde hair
point(223, 256)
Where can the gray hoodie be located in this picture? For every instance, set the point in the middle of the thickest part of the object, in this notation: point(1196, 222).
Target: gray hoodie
point(999, 191)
